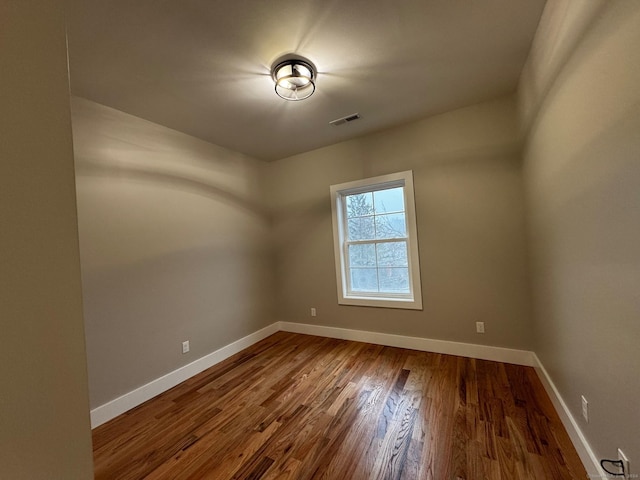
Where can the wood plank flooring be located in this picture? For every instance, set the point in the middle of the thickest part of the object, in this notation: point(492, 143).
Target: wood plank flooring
point(303, 407)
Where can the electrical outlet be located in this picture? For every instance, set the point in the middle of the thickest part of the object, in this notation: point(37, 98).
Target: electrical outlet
point(479, 327)
point(185, 346)
point(313, 311)
point(585, 409)
point(625, 462)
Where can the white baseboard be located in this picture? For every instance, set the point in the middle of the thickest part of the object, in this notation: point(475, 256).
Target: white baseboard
point(140, 395)
point(120, 405)
point(126, 402)
point(484, 352)
point(589, 459)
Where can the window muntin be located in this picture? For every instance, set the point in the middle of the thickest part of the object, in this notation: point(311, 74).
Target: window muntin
point(375, 242)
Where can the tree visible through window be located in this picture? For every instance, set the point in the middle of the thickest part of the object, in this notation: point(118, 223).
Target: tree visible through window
point(377, 241)
point(376, 253)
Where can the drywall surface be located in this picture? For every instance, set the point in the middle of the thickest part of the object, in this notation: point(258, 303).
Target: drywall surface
point(174, 247)
point(562, 27)
point(44, 407)
point(469, 204)
point(582, 172)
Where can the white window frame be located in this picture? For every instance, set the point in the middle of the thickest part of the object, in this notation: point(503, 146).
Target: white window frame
point(413, 300)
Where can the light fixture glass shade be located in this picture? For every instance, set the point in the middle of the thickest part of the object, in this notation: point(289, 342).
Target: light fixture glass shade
point(295, 79)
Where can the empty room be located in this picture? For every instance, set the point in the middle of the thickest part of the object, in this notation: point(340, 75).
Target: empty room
point(320, 239)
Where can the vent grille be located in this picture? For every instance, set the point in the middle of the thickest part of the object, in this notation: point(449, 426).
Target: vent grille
point(343, 120)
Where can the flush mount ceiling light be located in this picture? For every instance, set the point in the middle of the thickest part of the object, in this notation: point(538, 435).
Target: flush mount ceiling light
point(295, 79)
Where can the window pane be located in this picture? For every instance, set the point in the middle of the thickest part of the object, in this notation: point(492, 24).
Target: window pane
point(391, 226)
point(387, 201)
point(364, 279)
point(394, 280)
point(392, 254)
point(376, 259)
point(362, 255)
point(359, 205)
point(361, 228)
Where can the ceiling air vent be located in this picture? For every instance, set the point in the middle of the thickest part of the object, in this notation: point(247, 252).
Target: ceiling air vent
point(343, 120)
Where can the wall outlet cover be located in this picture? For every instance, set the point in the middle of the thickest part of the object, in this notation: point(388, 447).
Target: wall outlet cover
point(585, 409)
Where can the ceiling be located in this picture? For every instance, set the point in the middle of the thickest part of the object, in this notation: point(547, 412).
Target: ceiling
point(202, 66)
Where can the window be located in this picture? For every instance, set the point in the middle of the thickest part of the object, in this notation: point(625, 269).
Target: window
point(375, 241)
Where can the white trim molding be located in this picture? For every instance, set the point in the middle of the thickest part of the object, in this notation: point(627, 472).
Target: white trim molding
point(120, 405)
point(342, 242)
point(483, 352)
point(586, 454)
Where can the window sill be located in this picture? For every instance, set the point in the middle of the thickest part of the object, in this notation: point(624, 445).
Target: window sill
point(402, 303)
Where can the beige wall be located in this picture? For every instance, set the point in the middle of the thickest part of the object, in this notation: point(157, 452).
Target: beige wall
point(173, 240)
point(582, 171)
point(44, 414)
point(175, 235)
point(469, 207)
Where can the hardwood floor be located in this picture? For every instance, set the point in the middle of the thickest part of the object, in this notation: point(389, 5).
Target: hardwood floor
point(303, 407)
